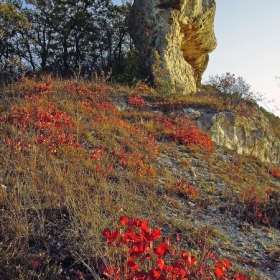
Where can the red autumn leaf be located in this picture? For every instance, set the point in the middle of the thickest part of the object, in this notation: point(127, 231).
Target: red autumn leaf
point(131, 236)
point(144, 226)
point(201, 271)
point(160, 263)
point(100, 148)
point(127, 237)
point(252, 191)
point(161, 249)
point(123, 160)
point(155, 273)
point(188, 257)
point(109, 271)
point(268, 191)
point(131, 222)
point(132, 264)
point(227, 263)
point(111, 237)
point(176, 264)
point(259, 214)
point(106, 232)
point(137, 223)
point(219, 271)
point(145, 236)
point(124, 220)
point(182, 272)
point(138, 250)
point(155, 234)
point(221, 267)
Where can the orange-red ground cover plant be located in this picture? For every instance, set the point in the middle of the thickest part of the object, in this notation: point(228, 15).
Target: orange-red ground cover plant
point(150, 256)
point(179, 129)
point(275, 172)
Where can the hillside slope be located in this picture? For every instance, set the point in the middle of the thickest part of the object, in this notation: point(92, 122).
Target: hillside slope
point(106, 182)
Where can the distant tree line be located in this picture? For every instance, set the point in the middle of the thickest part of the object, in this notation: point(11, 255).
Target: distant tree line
point(61, 36)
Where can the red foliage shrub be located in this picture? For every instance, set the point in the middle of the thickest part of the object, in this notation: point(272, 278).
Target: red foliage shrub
point(107, 107)
point(146, 260)
point(179, 129)
point(43, 89)
point(252, 207)
point(184, 189)
point(260, 210)
point(133, 160)
point(92, 93)
point(49, 123)
point(236, 94)
point(136, 101)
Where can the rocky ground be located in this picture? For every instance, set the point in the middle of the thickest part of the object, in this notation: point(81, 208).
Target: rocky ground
point(55, 206)
point(254, 247)
point(220, 179)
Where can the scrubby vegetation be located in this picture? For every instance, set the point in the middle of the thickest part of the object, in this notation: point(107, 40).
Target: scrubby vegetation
point(100, 180)
point(77, 156)
point(235, 93)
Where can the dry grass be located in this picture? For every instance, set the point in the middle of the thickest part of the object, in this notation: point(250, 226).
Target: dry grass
point(58, 202)
point(57, 197)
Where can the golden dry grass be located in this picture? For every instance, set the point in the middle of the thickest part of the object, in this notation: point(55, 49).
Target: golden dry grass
point(57, 196)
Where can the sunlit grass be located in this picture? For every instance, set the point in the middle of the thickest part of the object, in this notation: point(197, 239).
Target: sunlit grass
point(72, 164)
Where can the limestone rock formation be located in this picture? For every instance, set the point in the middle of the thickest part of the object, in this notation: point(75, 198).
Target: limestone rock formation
point(249, 136)
point(181, 31)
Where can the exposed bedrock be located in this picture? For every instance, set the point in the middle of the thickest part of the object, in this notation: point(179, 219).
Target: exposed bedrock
point(181, 31)
point(248, 136)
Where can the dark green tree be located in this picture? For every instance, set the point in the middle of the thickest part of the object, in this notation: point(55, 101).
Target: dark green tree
point(66, 33)
point(13, 24)
point(65, 36)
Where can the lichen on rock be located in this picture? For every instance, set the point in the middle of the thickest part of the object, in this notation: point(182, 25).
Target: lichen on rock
point(181, 31)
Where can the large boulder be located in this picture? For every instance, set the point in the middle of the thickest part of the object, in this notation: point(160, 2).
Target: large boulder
point(181, 31)
point(248, 136)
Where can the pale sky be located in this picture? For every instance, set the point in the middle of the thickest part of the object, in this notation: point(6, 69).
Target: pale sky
point(248, 36)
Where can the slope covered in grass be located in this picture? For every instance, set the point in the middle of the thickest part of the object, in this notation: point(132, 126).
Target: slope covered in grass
point(99, 181)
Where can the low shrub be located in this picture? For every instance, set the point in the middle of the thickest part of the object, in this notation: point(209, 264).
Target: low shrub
point(136, 101)
point(179, 129)
point(150, 256)
point(235, 93)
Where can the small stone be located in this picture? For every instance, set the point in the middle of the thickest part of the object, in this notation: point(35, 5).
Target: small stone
point(191, 204)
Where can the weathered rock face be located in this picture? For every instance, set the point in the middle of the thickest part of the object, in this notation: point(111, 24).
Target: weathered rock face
point(249, 136)
point(182, 31)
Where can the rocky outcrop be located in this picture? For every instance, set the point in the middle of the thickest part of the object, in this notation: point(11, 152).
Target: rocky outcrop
point(181, 31)
point(249, 136)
